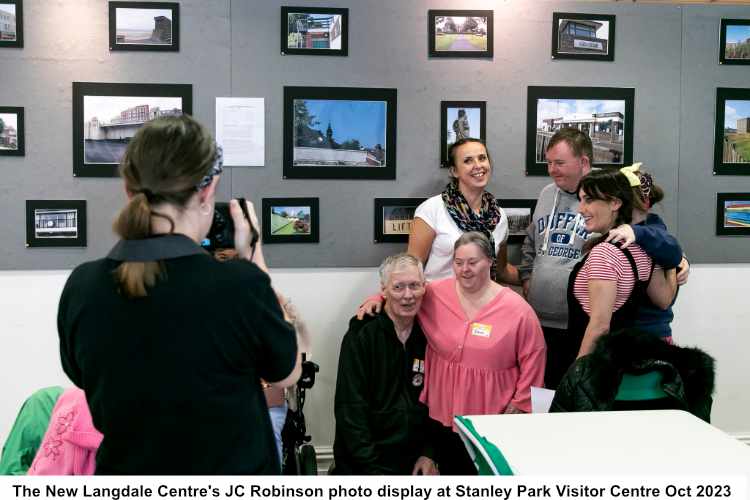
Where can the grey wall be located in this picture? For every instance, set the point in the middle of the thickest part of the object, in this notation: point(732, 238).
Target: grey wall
point(667, 53)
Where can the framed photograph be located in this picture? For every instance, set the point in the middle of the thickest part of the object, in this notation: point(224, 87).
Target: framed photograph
point(55, 223)
point(11, 23)
point(519, 213)
point(459, 120)
point(734, 41)
point(583, 36)
point(460, 33)
point(732, 137)
point(12, 131)
point(152, 26)
point(733, 214)
point(107, 115)
point(604, 113)
point(314, 31)
point(290, 220)
point(393, 218)
point(339, 133)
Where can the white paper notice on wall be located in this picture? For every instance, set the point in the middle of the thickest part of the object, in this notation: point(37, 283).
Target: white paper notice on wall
point(240, 130)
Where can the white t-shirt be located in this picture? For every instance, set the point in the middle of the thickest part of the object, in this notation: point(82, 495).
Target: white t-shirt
point(435, 215)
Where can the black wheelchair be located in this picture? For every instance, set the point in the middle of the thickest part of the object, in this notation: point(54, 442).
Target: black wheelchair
point(298, 455)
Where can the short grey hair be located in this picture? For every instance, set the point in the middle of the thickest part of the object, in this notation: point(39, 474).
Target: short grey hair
point(478, 239)
point(399, 261)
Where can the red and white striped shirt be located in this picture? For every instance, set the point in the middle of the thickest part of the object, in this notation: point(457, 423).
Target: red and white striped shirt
point(607, 262)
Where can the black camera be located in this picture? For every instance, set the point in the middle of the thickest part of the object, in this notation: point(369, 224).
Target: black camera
point(221, 234)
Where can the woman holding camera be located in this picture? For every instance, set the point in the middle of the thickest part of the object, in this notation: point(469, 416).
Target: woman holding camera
point(169, 344)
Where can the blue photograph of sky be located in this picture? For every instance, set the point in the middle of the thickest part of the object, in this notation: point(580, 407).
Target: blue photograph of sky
point(363, 121)
point(738, 33)
point(735, 110)
point(465, 125)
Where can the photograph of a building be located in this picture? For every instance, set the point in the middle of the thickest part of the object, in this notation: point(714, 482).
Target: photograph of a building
point(737, 214)
point(7, 22)
point(518, 220)
point(109, 122)
point(290, 221)
point(583, 36)
point(457, 34)
point(737, 44)
point(314, 31)
point(602, 120)
point(398, 219)
point(736, 148)
point(143, 26)
point(56, 223)
point(8, 131)
point(339, 133)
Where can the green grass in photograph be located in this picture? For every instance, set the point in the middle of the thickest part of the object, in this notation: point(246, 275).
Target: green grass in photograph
point(478, 41)
point(444, 42)
point(741, 143)
point(281, 225)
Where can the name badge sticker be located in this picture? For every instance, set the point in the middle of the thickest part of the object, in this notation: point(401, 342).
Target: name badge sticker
point(481, 330)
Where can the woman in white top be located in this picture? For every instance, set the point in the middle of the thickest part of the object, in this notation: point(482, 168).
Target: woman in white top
point(463, 206)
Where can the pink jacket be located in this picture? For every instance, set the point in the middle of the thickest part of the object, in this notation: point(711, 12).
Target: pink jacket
point(70, 443)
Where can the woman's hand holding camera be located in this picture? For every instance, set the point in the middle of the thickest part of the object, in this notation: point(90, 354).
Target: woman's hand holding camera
point(247, 237)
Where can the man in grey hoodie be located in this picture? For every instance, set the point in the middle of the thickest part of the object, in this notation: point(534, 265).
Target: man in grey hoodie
point(553, 245)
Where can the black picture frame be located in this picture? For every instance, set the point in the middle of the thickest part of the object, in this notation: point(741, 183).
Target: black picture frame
point(343, 31)
point(173, 36)
point(728, 159)
point(435, 49)
point(382, 234)
point(517, 233)
point(6, 140)
point(564, 43)
point(82, 128)
point(5, 38)
point(739, 226)
point(612, 157)
point(348, 163)
point(271, 236)
point(445, 107)
point(54, 226)
point(723, 57)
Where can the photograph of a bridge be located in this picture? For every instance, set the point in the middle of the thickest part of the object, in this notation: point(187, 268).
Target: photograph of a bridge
point(107, 115)
point(290, 220)
point(55, 223)
point(460, 33)
point(732, 139)
point(605, 114)
point(152, 26)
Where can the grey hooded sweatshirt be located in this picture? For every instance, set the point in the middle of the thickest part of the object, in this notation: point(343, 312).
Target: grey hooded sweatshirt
point(553, 245)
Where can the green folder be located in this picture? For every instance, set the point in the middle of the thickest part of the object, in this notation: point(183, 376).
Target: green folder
point(487, 457)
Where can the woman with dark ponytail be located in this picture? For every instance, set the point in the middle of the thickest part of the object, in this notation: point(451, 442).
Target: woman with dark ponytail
point(169, 344)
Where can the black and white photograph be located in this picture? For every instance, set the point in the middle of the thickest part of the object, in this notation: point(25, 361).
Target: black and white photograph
point(12, 141)
point(393, 219)
point(11, 23)
point(583, 36)
point(605, 114)
point(734, 42)
point(732, 136)
point(315, 31)
point(55, 223)
point(733, 214)
point(460, 120)
point(339, 133)
point(147, 26)
point(519, 213)
point(290, 220)
point(460, 33)
point(107, 115)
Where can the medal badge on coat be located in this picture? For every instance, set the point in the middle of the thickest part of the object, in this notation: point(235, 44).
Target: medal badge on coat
point(418, 369)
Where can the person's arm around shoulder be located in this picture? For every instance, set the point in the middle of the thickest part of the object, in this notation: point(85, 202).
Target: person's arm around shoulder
point(653, 238)
point(663, 287)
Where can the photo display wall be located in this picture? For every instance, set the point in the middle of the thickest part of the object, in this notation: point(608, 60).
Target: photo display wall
point(357, 133)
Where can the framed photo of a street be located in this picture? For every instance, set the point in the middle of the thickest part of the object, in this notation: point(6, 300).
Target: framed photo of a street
point(734, 41)
point(290, 220)
point(583, 36)
point(604, 113)
point(148, 26)
point(393, 218)
point(55, 223)
point(339, 133)
point(519, 213)
point(733, 214)
point(732, 136)
point(315, 31)
point(460, 33)
point(12, 142)
point(460, 120)
point(11, 23)
point(107, 115)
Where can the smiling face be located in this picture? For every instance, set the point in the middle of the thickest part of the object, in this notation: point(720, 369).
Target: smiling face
point(403, 292)
point(565, 168)
point(599, 215)
point(471, 166)
point(471, 267)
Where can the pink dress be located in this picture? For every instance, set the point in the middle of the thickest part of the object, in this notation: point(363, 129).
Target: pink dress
point(70, 443)
point(480, 366)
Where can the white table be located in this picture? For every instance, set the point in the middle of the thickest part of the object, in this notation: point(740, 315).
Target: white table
point(626, 442)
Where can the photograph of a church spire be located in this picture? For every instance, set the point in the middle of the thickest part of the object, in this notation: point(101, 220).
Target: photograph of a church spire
point(340, 133)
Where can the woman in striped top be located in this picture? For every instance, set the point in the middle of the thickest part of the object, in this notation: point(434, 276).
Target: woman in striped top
point(608, 285)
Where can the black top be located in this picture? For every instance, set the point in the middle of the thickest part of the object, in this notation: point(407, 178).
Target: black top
point(381, 427)
point(173, 379)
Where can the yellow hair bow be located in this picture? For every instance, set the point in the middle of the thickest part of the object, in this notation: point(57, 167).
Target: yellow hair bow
point(630, 171)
